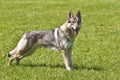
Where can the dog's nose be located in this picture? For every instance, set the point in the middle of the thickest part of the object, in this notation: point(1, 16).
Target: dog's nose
point(77, 29)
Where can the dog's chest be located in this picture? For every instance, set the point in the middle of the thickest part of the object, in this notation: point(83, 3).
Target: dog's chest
point(68, 44)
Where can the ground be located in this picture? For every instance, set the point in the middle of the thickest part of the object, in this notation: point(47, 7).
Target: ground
point(96, 53)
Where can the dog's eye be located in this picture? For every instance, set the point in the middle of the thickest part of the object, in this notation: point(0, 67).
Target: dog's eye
point(73, 22)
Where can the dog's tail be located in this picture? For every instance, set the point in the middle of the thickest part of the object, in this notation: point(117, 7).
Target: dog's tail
point(11, 53)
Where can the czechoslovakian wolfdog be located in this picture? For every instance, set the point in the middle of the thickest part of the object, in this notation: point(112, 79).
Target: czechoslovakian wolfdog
point(61, 38)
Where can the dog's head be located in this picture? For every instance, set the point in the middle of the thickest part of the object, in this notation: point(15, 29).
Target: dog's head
point(74, 22)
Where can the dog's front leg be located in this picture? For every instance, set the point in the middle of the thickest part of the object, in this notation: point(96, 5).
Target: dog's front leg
point(67, 58)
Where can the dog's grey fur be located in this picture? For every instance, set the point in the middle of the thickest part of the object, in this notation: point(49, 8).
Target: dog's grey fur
point(61, 38)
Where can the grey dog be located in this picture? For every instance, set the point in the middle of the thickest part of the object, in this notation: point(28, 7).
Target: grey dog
point(61, 38)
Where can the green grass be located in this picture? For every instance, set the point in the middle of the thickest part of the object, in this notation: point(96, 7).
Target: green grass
point(96, 53)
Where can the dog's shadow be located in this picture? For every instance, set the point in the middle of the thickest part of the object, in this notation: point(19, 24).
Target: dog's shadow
point(76, 67)
point(43, 65)
point(83, 67)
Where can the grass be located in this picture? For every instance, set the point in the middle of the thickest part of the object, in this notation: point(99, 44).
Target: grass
point(96, 53)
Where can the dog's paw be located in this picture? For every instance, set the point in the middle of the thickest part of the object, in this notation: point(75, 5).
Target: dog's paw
point(69, 68)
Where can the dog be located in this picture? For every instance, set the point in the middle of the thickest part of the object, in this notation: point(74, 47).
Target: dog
point(61, 38)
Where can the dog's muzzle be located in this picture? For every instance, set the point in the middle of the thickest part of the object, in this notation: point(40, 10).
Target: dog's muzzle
point(75, 30)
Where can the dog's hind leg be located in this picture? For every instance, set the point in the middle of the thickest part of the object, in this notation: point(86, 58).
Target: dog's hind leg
point(10, 60)
point(19, 50)
point(12, 57)
point(18, 60)
point(12, 52)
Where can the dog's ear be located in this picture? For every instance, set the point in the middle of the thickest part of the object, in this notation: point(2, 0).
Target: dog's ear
point(70, 14)
point(79, 16)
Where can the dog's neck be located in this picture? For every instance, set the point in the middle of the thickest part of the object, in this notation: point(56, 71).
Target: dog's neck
point(67, 31)
point(64, 27)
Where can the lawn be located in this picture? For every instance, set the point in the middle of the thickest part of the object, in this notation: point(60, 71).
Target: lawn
point(96, 53)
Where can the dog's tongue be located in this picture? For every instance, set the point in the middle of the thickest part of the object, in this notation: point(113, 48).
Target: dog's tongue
point(76, 32)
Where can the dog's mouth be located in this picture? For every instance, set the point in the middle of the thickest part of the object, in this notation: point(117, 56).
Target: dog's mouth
point(76, 31)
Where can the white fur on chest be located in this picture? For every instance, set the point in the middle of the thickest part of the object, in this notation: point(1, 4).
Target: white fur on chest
point(68, 44)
